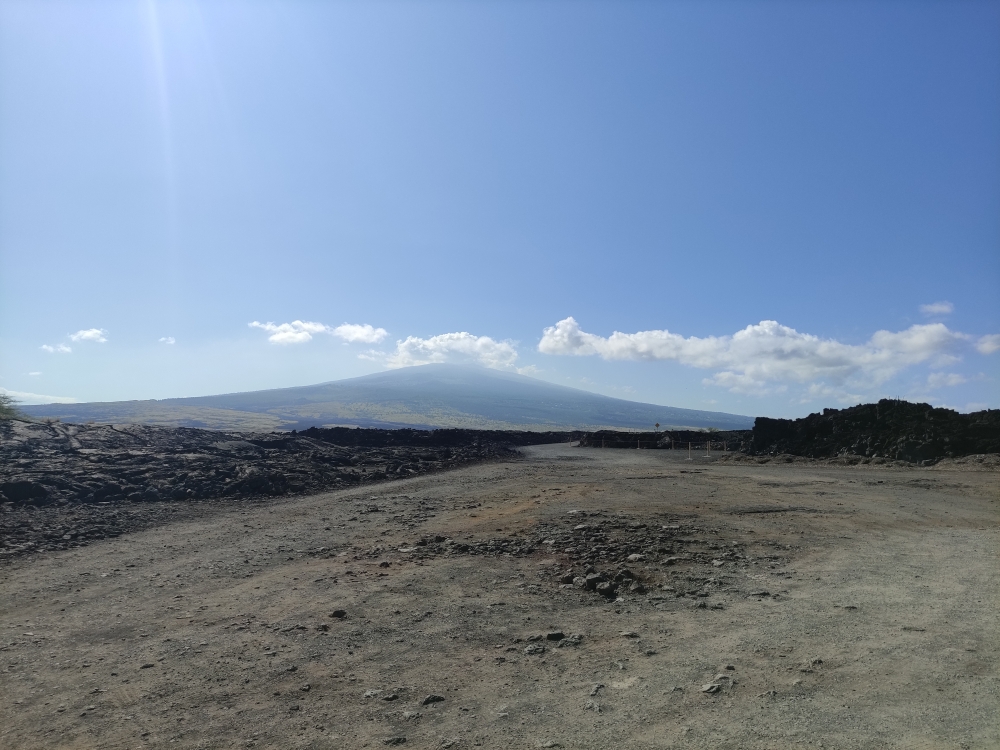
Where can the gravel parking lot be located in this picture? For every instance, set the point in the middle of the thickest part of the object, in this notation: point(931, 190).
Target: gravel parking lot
point(572, 597)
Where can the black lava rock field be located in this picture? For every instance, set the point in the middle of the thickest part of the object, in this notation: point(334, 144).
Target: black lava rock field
point(890, 429)
point(62, 484)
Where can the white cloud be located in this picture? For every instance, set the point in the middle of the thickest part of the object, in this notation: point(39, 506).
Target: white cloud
point(451, 347)
point(35, 373)
point(354, 333)
point(296, 332)
point(759, 356)
point(989, 344)
point(57, 349)
point(938, 308)
point(90, 334)
point(168, 340)
point(943, 379)
point(24, 397)
point(300, 331)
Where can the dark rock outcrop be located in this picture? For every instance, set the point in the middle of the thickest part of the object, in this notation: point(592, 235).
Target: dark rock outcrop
point(889, 429)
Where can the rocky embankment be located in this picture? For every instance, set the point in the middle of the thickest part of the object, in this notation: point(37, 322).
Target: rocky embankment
point(62, 484)
point(890, 429)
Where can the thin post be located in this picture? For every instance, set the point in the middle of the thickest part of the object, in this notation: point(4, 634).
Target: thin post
point(689, 450)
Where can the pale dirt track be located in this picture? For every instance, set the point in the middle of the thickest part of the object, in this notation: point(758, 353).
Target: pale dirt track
point(879, 630)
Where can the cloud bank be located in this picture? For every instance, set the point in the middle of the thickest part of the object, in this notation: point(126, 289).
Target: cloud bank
point(769, 353)
point(300, 331)
point(450, 347)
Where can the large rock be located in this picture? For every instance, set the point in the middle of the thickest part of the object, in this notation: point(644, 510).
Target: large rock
point(24, 491)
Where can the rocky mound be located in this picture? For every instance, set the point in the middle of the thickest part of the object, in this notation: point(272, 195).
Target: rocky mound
point(605, 553)
point(890, 429)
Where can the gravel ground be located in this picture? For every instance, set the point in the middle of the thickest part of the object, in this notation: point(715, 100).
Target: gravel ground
point(575, 597)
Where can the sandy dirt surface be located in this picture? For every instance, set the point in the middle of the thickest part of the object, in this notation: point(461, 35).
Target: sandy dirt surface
point(729, 606)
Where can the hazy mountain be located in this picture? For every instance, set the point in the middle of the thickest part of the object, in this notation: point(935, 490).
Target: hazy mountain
point(426, 396)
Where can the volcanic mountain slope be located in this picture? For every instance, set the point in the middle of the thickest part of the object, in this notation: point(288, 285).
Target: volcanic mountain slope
point(428, 396)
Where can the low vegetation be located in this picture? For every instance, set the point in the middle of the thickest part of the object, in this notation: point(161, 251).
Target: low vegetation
point(8, 407)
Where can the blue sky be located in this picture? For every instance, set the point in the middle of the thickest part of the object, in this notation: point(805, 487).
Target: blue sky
point(778, 207)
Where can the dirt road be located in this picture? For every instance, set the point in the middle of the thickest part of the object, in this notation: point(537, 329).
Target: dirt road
point(728, 606)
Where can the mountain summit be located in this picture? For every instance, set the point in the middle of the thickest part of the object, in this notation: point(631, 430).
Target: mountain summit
point(427, 396)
